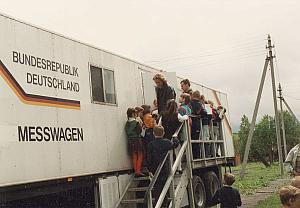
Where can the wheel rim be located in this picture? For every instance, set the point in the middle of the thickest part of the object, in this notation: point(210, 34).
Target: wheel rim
point(199, 195)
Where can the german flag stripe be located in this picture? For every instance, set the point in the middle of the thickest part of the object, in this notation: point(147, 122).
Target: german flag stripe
point(35, 99)
point(219, 103)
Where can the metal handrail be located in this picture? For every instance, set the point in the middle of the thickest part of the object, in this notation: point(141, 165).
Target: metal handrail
point(175, 135)
point(171, 175)
point(124, 192)
point(154, 179)
point(219, 143)
point(162, 163)
point(195, 116)
point(185, 149)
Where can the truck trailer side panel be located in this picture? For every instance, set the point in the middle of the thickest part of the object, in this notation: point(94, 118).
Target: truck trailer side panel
point(31, 110)
point(52, 125)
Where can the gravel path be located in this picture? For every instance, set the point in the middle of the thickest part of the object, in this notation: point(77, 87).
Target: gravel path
point(261, 194)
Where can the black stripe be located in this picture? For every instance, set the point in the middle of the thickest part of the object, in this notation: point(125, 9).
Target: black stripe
point(37, 96)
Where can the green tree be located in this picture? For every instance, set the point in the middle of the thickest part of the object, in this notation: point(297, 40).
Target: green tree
point(292, 130)
point(236, 143)
point(243, 134)
point(264, 142)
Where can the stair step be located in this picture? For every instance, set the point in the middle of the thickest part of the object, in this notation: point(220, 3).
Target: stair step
point(141, 178)
point(134, 201)
point(138, 189)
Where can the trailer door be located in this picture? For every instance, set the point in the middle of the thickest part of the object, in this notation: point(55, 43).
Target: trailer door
point(171, 78)
point(172, 81)
point(148, 87)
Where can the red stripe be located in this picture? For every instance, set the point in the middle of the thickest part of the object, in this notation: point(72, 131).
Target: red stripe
point(30, 99)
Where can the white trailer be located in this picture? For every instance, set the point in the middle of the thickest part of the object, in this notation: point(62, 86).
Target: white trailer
point(63, 110)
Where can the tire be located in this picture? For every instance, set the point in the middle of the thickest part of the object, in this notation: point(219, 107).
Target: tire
point(212, 184)
point(199, 192)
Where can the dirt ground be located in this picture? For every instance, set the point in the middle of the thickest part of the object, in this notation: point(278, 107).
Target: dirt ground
point(261, 194)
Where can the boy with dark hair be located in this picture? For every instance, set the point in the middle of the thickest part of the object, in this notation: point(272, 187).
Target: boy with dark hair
point(227, 196)
point(186, 86)
point(157, 151)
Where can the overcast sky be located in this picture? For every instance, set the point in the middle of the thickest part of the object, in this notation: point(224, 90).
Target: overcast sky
point(218, 43)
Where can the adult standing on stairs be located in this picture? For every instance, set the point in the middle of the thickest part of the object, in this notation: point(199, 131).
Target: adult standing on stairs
point(164, 92)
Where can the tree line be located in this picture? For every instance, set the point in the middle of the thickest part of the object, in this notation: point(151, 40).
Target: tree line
point(264, 142)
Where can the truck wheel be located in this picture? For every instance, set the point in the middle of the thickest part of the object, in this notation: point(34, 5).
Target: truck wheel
point(212, 184)
point(199, 192)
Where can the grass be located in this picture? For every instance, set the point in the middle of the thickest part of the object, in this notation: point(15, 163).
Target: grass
point(272, 201)
point(257, 176)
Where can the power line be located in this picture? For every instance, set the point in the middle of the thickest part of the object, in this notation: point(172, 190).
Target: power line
point(244, 42)
point(244, 46)
point(293, 85)
point(205, 64)
point(231, 57)
point(213, 56)
point(291, 97)
point(211, 59)
point(294, 90)
point(208, 55)
point(276, 64)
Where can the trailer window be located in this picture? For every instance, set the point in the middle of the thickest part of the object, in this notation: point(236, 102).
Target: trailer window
point(109, 86)
point(103, 85)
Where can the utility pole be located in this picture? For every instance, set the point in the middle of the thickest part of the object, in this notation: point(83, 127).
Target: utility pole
point(275, 105)
point(269, 59)
point(282, 120)
point(252, 125)
point(290, 110)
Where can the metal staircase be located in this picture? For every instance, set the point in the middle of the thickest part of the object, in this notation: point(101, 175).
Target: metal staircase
point(138, 192)
point(134, 192)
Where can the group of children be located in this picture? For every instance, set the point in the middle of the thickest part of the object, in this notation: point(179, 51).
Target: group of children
point(150, 136)
point(211, 124)
point(139, 129)
point(142, 120)
point(147, 143)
